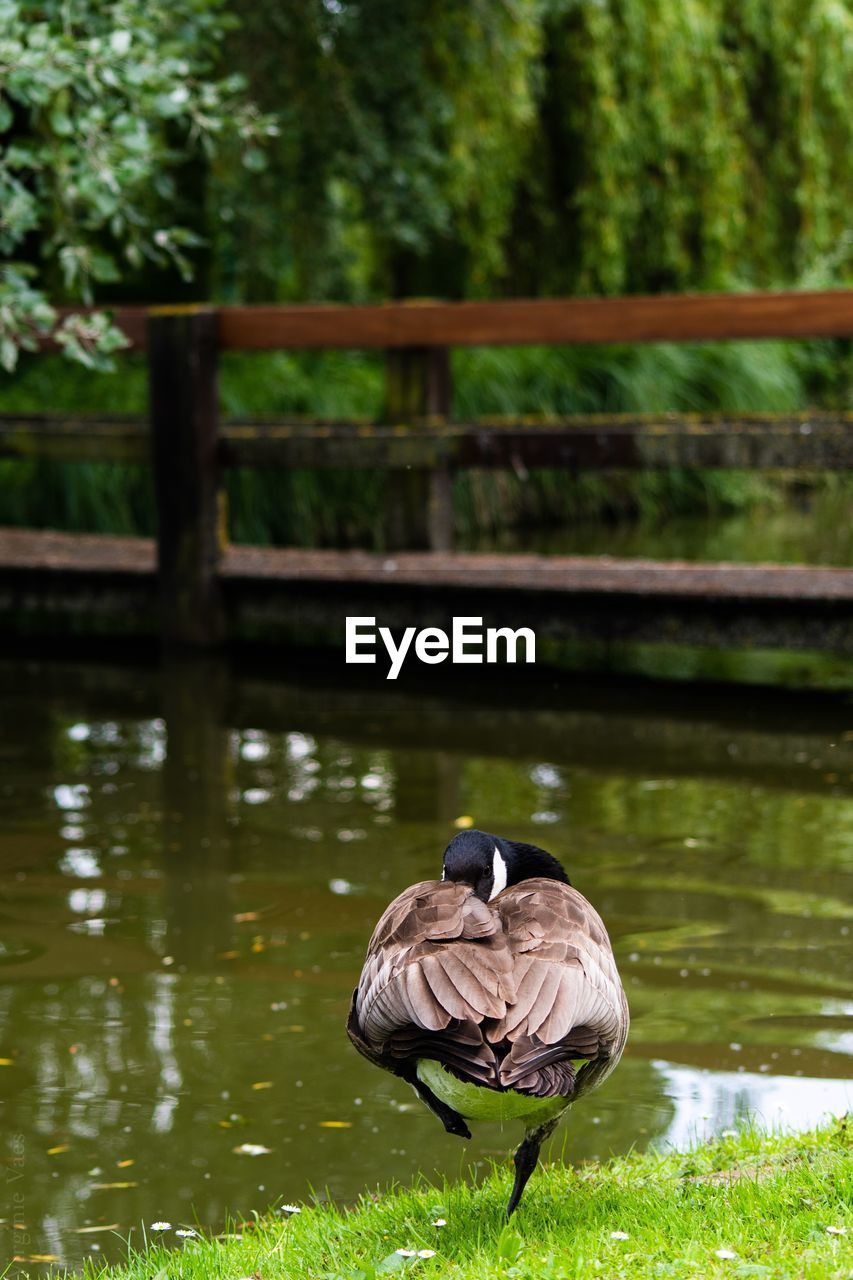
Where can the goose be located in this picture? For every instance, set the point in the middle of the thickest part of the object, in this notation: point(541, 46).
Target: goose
point(493, 992)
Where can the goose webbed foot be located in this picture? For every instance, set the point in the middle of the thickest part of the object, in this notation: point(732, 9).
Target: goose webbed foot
point(452, 1120)
point(454, 1123)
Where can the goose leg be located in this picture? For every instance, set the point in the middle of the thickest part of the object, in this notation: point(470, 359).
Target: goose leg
point(452, 1120)
point(525, 1159)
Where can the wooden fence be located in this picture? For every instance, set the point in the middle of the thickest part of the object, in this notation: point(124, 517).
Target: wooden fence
point(417, 440)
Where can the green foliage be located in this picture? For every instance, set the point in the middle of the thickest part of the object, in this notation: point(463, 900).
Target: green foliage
point(101, 497)
point(404, 132)
point(649, 148)
point(99, 105)
point(549, 146)
point(697, 144)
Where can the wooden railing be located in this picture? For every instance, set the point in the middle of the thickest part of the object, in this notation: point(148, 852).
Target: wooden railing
point(417, 440)
point(540, 321)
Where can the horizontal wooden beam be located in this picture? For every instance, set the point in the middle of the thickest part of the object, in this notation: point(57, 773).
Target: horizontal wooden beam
point(807, 441)
point(540, 321)
point(613, 442)
point(73, 439)
point(305, 595)
point(74, 553)
point(596, 575)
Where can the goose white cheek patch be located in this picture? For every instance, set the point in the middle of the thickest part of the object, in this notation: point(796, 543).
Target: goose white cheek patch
point(499, 874)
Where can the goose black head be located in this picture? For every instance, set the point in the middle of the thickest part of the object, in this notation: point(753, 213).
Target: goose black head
point(490, 863)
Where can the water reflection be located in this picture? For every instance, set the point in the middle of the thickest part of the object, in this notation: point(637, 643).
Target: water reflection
point(709, 1102)
point(192, 863)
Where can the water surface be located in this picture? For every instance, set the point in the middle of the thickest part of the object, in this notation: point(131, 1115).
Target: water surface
point(193, 859)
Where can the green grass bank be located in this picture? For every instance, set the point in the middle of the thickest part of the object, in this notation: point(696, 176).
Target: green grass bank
point(749, 1204)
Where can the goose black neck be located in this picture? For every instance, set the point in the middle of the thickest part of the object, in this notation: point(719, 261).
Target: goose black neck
point(524, 861)
point(491, 863)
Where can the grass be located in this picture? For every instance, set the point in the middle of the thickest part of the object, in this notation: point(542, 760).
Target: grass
point(749, 1204)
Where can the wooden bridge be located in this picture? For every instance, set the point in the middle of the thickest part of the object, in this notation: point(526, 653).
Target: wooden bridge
point(197, 590)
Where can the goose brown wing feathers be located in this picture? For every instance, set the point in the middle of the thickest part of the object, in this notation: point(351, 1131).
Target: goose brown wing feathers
point(438, 966)
point(570, 1005)
point(508, 993)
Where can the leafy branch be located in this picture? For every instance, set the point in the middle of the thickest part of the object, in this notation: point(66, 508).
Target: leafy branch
point(100, 105)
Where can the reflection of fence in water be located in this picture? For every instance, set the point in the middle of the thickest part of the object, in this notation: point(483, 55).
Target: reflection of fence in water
point(777, 738)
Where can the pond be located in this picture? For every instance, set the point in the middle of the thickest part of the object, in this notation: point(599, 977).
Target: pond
point(193, 859)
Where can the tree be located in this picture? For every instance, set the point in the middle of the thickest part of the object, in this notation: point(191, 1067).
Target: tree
point(405, 129)
point(703, 145)
point(101, 101)
point(546, 146)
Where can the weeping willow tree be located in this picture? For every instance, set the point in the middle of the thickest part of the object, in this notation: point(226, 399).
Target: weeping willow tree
point(547, 146)
point(696, 144)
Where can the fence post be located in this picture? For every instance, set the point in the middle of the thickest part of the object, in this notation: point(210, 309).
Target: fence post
point(182, 347)
point(419, 510)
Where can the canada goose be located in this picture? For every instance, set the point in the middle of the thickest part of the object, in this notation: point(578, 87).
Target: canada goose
point(493, 992)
